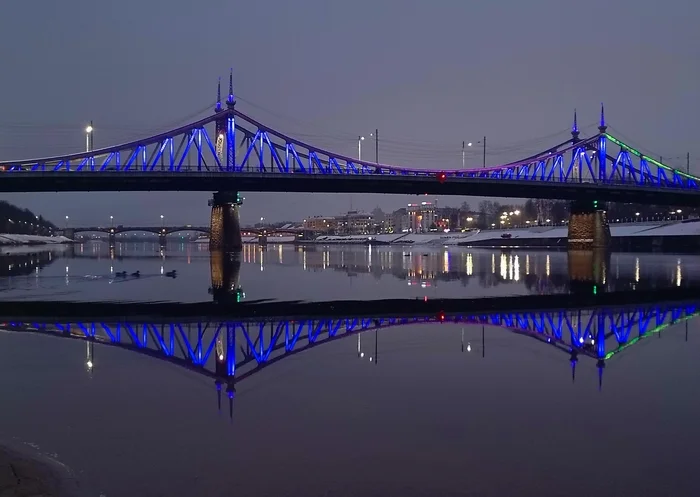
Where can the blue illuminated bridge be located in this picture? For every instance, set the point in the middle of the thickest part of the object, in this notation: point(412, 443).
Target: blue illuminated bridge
point(230, 152)
point(232, 343)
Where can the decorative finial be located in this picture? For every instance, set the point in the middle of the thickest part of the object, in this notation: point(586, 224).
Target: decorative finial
point(230, 102)
point(602, 127)
point(574, 129)
point(601, 367)
point(218, 96)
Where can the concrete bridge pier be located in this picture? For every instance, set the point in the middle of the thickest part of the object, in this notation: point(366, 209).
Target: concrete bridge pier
point(225, 227)
point(588, 226)
point(112, 238)
point(69, 233)
point(162, 240)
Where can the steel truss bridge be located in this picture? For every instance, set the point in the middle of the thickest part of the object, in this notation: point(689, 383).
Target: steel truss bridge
point(231, 151)
point(230, 349)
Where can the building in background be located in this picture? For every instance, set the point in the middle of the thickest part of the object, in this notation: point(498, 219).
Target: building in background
point(321, 224)
point(422, 218)
point(354, 223)
point(398, 221)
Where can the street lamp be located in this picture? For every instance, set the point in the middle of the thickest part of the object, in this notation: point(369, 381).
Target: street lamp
point(111, 221)
point(360, 139)
point(463, 153)
point(66, 221)
point(162, 220)
point(88, 137)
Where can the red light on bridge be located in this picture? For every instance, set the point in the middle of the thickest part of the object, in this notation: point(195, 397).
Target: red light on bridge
point(441, 316)
point(441, 177)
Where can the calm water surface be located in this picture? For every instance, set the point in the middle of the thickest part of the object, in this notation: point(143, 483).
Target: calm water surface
point(446, 410)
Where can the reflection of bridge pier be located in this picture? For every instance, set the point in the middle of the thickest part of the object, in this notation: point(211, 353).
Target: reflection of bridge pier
point(225, 274)
point(225, 228)
point(588, 270)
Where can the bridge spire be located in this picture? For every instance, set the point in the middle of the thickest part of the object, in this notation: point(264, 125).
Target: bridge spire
point(602, 127)
point(601, 367)
point(574, 129)
point(218, 97)
point(574, 360)
point(230, 101)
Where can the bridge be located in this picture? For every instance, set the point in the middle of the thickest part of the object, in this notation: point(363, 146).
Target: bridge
point(229, 151)
point(113, 231)
point(231, 345)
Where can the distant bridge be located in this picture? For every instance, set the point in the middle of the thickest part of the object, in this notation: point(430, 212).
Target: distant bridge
point(157, 230)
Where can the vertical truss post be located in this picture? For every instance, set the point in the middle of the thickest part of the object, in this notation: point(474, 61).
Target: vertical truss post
point(231, 143)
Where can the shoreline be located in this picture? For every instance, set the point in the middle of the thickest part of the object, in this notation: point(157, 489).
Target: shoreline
point(24, 471)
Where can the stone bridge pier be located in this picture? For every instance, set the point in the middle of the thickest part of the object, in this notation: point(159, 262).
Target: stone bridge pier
point(225, 227)
point(588, 226)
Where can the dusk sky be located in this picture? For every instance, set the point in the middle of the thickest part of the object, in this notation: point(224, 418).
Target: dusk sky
point(428, 74)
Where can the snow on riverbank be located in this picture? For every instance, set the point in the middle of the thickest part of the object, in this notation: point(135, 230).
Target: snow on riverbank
point(11, 239)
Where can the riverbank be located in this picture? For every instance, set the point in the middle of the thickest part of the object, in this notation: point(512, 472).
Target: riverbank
point(8, 239)
point(22, 474)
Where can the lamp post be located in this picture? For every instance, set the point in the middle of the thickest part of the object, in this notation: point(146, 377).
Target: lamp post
point(463, 154)
point(88, 137)
point(162, 221)
point(360, 139)
point(375, 135)
point(66, 222)
point(111, 221)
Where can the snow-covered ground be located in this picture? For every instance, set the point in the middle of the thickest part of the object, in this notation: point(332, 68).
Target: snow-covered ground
point(10, 239)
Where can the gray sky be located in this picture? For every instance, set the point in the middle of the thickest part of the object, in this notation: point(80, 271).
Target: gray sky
point(428, 73)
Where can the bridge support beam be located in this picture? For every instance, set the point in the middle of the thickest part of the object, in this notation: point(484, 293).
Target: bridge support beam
point(225, 228)
point(588, 226)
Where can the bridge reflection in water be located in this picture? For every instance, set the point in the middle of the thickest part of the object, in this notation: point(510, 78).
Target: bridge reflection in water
point(231, 349)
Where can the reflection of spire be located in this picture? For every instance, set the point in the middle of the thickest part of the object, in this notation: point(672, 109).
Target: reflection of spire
point(231, 390)
point(601, 366)
point(218, 394)
point(574, 360)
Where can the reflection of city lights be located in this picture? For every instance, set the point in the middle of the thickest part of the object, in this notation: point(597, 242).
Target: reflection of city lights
point(221, 357)
point(636, 270)
point(504, 266)
point(679, 277)
point(547, 267)
point(516, 268)
point(469, 347)
point(493, 263)
point(446, 262)
point(89, 364)
point(470, 265)
point(527, 264)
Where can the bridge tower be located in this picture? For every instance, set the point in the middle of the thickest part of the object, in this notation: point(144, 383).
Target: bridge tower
point(588, 221)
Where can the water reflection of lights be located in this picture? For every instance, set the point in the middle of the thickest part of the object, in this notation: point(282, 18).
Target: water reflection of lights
point(279, 253)
point(303, 259)
point(547, 266)
point(504, 266)
point(446, 261)
point(527, 264)
point(679, 276)
point(470, 264)
point(636, 269)
point(493, 263)
point(516, 268)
